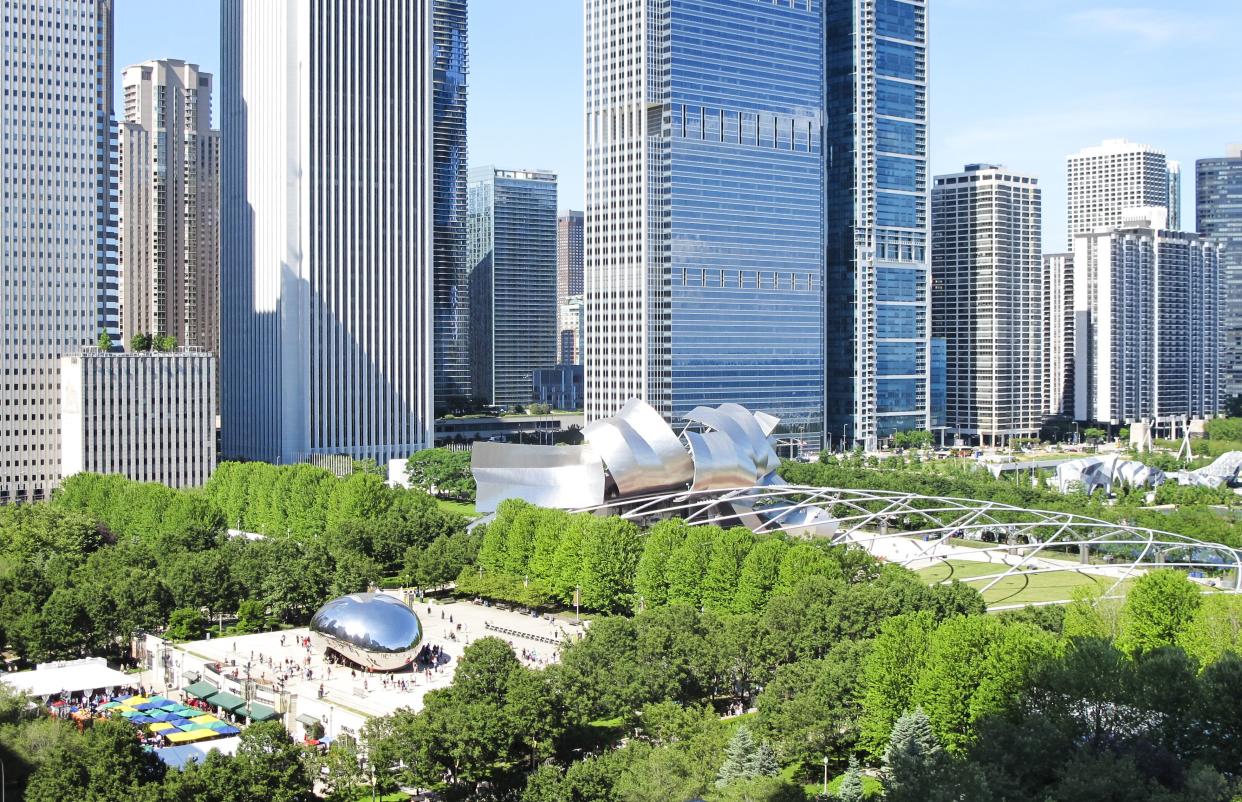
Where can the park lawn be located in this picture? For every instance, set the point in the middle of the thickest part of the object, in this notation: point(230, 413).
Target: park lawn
point(457, 508)
point(1021, 588)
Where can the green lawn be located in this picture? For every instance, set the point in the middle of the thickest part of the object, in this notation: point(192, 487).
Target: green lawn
point(458, 507)
point(1022, 588)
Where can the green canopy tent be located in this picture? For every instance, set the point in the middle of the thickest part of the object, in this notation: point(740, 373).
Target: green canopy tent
point(258, 712)
point(201, 690)
point(226, 700)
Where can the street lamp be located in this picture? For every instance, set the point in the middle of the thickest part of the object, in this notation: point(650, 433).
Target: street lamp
point(825, 776)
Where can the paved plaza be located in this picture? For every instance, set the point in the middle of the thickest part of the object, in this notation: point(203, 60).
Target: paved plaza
point(282, 661)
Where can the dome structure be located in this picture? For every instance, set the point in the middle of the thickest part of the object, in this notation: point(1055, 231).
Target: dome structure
point(374, 630)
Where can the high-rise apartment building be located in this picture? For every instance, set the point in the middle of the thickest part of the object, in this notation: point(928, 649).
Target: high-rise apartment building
point(1058, 334)
point(1147, 336)
point(451, 340)
point(327, 186)
point(704, 277)
point(1218, 197)
point(878, 287)
point(512, 256)
point(1175, 195)
point(1106, 179)
point(148, 416)
point(569, 255)
point(571, 323)
point(169, 187)
point(988, 301)
point(57, 227)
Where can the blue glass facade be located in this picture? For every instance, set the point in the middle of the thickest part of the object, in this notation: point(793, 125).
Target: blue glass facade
point(1219, 208)
point(451, 313)
point(875, 146)
point(740, 162)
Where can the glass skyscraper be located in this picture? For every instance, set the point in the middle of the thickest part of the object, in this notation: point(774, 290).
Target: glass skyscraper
point(1219, 207)
point(705, 208)
point(511, 251)
point(875, 147)
point(451, 295)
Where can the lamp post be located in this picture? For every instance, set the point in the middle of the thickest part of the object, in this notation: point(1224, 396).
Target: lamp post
point(825, 776)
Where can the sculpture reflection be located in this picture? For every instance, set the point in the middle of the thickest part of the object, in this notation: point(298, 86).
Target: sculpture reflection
point(373, 630)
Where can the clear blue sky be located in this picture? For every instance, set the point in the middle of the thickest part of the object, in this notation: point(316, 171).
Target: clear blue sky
point(1017, 82)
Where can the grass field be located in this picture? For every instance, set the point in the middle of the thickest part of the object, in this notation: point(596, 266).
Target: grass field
point(458, 507)
point(1019, 589)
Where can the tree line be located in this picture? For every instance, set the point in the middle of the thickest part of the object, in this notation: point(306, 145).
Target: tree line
point(108, 557)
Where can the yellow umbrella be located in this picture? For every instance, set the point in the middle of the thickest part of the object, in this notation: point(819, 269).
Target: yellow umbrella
point(205, 719)
point(161, 726)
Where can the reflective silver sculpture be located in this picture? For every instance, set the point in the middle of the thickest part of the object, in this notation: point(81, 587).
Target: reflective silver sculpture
point(559, 477)
point(641, 451)
point(374, 630)
point(1101, 473)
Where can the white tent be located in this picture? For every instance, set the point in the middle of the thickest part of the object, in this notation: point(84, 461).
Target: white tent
point(69, 676)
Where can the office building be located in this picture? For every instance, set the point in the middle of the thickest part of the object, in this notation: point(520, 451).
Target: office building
point(1058, 334)
point(987, 302)
point(327, 302)
point(572, 322)
point(57, 227)
point(569, 255)
point(148, 416)
point(704, 241)
point(878, 288)
point(1106, 179)
point(511, 251)
point(560, 387)
point(1148, 323)
point(1218, 197)
point(169, 189)
point(451, 296)
point(1175, 195)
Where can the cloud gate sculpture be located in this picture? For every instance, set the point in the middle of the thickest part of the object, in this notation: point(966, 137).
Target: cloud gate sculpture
point(635, 454)
point(373, 630)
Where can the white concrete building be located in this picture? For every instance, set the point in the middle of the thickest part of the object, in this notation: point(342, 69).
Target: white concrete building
point(169, 211)
point(327, 229)
point(1147, 306)
point(1058, 334)
point(988, 301)
point(57, 237)
point(148, 416)
point(1113, 176)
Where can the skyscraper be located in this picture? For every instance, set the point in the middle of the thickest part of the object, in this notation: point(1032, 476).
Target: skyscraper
point(569, 255)
point(1175, 195)
point(987, 301)
point(57, 230)
point(1147, 336)
point(451, 295)
point(1219, 206)
point(878, 287)
point(1058, 334)
point(512, 258)
point(704, 275)
point(169, 185)
point(1106, 179)
point(328, 235)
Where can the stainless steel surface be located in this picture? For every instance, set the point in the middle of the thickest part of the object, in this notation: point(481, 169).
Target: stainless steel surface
point(752, 458)
point(718, 462)
point(640, 450)
point(374, 630)
point(560, 477)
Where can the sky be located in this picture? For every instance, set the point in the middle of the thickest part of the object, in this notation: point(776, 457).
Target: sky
point(1021, 83)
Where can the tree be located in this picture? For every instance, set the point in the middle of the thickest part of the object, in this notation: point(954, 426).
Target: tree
point(851, 788)
point(270, 767)
point(1158, 609)
point(740, 760)
point(442, 472)
point(140, 342)
point(804, 560)
point(164, 343)
point(1215, 630)
point(186, 624)
point(760, 574)
point(104, 341)
point(889, 673)
point(914, 759)
point(728, 554)
point(610, 553)
point(651, 580)
point(687, 566)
